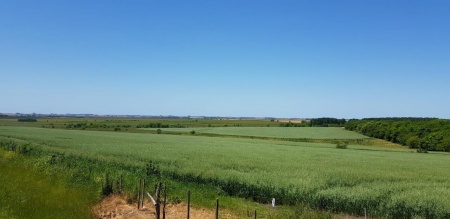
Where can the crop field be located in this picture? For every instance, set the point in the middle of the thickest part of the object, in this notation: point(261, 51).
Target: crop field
point(394, 183)
point(275, 132)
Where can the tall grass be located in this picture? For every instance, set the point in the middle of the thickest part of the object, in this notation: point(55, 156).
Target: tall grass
point(28, 193)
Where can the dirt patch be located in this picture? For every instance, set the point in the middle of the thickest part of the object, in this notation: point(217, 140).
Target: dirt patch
point(117, 207)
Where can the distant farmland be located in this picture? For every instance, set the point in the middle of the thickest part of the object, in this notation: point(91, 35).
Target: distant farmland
point(389, 183)
point(274, 132)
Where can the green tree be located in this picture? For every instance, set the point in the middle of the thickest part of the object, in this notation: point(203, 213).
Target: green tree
point(444, 145)
point(413, 142)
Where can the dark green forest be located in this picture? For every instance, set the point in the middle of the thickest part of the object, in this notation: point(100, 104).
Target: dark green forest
point(424, 134)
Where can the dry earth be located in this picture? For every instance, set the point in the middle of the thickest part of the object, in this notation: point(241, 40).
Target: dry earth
point(117, 207)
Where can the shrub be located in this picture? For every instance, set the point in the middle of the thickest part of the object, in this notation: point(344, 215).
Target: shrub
point(192, 132)
point(341, 145)
point(422, 150)
point(25, 149)
point(158, 131)
point(27, 120)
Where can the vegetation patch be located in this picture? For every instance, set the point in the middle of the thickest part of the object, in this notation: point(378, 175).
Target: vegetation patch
point(28, 193)
point(341, 145)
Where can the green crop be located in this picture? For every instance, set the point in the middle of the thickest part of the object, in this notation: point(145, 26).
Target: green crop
point(395, 183)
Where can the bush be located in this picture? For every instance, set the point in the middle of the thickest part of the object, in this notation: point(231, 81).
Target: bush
point(341, 145)
point(25, 149)
point(27, 120)
point(192, 132)
point(158, 131)
point(422, 150)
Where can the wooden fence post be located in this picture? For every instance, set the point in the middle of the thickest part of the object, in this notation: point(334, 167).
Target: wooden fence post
point(217, 208)
point(254, 215)
point(158, 201)
point(164, 203)
point(120, 184)
point(188, 204)
point(139, 193)
point(143, 189)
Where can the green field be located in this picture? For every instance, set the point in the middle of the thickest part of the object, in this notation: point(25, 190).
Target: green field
point(274, 132)
point(390, 183)
point(29, 192)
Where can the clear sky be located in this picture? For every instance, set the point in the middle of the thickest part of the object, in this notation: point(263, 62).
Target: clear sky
point(344, 59)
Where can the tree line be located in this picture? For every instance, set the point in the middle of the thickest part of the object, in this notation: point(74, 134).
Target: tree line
point(327, 122)
point(27, 120)
point(317, 122)
point(423, 134)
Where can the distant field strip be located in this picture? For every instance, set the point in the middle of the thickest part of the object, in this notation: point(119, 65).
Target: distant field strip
point(275, 132)
point(392, 183)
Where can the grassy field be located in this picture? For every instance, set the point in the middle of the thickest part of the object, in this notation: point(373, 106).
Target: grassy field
point(274, 132)
point(395, 183)
point(28, 192)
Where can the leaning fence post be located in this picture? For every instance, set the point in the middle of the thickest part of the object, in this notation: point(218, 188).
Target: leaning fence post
point(217, 208)
point(188, 204)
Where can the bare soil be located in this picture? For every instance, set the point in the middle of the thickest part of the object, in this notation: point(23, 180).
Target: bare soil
point(117, 207)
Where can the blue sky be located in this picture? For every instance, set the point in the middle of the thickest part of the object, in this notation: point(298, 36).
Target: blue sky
point(344, 59)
